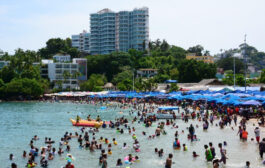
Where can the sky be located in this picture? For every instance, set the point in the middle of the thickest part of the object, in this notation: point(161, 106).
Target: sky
point(214, 24)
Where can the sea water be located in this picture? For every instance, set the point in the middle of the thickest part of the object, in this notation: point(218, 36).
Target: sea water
point(21, 121)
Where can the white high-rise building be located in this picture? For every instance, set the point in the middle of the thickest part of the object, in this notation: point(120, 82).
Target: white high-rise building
point(119, 31)
point(1, 53)
point(81, 41)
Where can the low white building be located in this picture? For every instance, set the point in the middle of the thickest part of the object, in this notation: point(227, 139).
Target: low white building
point(62, 58)
point(82, 68)
point(63, 74)
point(146, 73)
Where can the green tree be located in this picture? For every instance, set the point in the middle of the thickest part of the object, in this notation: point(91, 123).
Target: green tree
point(196, 49)
point(58, 45)
point(2, 83)
point(174, 74)
point(173, 87)
point(22, 87)
point(195, 71)
point(94, 83)
point(240, 80)
point(228, 64)
point(125, 85)
point(31, 73)
point(7, 74)
point(262, 76)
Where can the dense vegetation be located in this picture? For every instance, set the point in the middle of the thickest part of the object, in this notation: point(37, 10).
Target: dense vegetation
point(120, 68)
point(22, 78)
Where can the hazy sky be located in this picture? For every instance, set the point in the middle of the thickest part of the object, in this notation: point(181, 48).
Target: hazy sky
point(215, 24)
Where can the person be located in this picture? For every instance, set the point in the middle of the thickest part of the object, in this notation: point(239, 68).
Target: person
point(119, 162)
point(212, 149)
point(191, 131)
point(31, 164)
point(43, 162)
point(194, 154)
point(98, 119)
point(244, 134)
point(24, 154)
point(176, 144)
point(104, 161)
point(169, 161)
point(114, 141)
point(247, 164)
point(13, 165)
point(262, 147)
point(240, 130)
point(69, 164)
point(223, 154)
point(109, 152)
point(257, 133)
point(157, 131)
point(11, 157)
point(216, 163)
point(185, 148)
point(160, 152)
point(88, 118)
point(77, 119)
point(208, 153)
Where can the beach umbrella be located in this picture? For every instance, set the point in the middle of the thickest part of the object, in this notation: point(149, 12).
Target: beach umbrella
point(251, 103)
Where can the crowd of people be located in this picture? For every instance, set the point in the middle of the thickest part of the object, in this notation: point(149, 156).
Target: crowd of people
point(206, 113)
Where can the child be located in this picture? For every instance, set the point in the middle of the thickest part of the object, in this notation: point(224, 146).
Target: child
point(194, 154)
point(106, 141)
point(136, 159)
point(115, 142)
point(160, 153)
point(109, 152)
point(185, 148)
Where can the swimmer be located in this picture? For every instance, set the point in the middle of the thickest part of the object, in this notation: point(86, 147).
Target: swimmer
point(185, 148)
point(24, 154)
point(11, 157)
point(35, 138)
point(160, 152)
point(106, 141)
point(194, 154)
point(114, 141)
point(124, 146)
point(119, 162)
point(109, 152)
point(136, 159)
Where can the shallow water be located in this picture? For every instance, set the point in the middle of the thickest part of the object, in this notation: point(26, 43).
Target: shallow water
point(21, 121)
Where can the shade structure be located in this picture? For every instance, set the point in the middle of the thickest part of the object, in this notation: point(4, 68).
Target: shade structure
point(251, 103)
point(168, 108)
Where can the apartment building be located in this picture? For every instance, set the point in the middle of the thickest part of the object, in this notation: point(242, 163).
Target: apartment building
point(81, 42)
point(65, 72)
point(121, 31)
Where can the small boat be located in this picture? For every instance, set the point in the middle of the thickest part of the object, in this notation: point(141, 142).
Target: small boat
point(86, 123)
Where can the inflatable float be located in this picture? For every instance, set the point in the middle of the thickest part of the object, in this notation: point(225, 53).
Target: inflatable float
point(86, 123)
